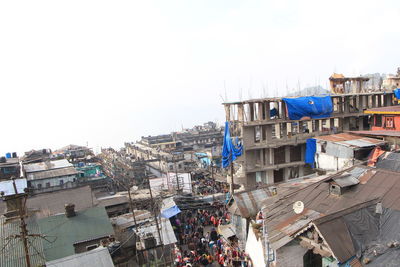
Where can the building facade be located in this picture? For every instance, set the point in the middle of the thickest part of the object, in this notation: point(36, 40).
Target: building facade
point(274, 145)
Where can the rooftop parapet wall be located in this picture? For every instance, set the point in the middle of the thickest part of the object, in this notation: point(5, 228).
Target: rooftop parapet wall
point(258, 111)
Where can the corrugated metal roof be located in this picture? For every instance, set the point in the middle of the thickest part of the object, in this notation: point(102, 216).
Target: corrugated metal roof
point(389, 161)
point(378, 186)
point(249, 203)
point(8, 187)
point(378, 133)
point(384, 109)
point(346, 180)
point(52, 173)
point(87, 224)
point(167, 233)
point(350, 140)
point(47, 165)
point(99, 257)
point(12, 250)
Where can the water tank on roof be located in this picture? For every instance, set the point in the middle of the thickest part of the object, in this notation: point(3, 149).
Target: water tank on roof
point(2, 159)
point(14, 155)
point(8, 155)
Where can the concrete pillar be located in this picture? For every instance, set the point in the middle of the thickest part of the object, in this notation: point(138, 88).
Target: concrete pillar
point(287, 154)
point(283, 110)
point(310, 126)
point(260, 111)
point(289, 129)
point(272, 156)
point(277, 130)
point(268, 132)
point(284, 130)
point(240, 112)
point(227, 112)
point(262, 159)
point(270, 176)
point(286, 173)
point(346, 104)
point(267, 158)
point(360, 105)
point(379, 100)
point(303, 152)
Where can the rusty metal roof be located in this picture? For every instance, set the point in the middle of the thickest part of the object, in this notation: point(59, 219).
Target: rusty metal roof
point(378, 133)
point(352, 140)
point(376, 185)
point(249, 203)
point(52, 173)
point(389, 109)
point(345, 181)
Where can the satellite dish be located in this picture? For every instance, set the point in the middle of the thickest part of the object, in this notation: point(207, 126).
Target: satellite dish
point(298, 207)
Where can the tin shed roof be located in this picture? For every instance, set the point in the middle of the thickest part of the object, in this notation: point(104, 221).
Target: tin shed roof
point(88, 224)
point(99, 257)
point(249, 203)
point(12, 252)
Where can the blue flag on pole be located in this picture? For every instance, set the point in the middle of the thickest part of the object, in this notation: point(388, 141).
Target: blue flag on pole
point(230, 151)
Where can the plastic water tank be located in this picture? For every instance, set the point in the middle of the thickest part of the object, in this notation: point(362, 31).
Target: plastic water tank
point(8, 155)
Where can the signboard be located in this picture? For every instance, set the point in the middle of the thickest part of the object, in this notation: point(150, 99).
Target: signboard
point(169, 182)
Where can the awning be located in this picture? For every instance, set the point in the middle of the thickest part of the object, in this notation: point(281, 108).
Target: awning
point(226, 230)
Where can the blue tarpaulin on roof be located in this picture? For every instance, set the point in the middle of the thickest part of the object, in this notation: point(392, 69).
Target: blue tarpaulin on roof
point(315, 107)
point(230, 151)
point(397, 93)
point(311, 148)
point(168, 213)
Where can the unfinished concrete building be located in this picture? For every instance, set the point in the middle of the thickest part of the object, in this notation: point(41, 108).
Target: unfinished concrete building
point(342, 85)
point(274, 145)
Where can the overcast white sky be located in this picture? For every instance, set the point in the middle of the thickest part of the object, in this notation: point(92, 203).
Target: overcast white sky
point(106, 72)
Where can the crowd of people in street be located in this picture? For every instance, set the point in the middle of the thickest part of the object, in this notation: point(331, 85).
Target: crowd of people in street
point(207, 186)
point(200, 244)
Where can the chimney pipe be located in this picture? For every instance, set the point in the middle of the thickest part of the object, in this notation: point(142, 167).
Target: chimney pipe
point(70, 210)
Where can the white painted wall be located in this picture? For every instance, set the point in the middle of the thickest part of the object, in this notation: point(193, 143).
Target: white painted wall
point(255, 249)
point(53, 181)
point(332, 163)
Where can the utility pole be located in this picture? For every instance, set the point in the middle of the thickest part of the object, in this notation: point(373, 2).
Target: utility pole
point(130, 203)
point(23, 236)
point(24, 230)
point(211, 164)
point(232, 189)
point(176, 174)
point(155, 211)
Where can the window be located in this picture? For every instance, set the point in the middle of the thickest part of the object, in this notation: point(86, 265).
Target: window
point(47, 185)
point(61, 182)
point(389, 122)
point(39, 186)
